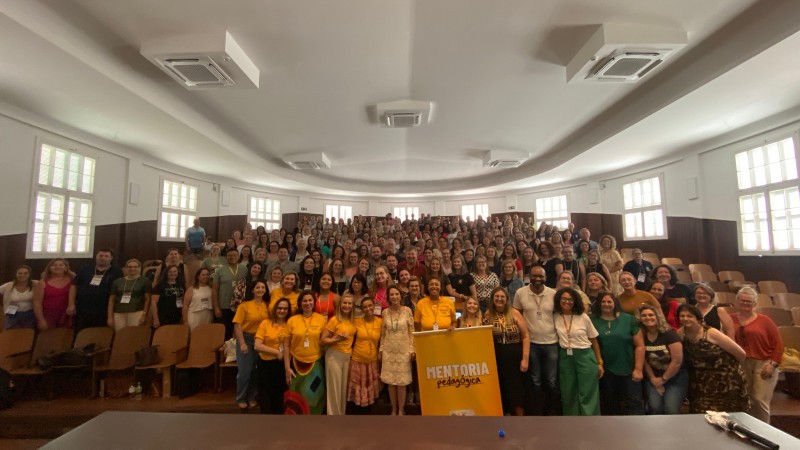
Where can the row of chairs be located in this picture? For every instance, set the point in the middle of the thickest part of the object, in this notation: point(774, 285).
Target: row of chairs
point(21, 351)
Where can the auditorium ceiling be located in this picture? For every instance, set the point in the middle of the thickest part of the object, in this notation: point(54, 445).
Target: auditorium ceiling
point(494, 70)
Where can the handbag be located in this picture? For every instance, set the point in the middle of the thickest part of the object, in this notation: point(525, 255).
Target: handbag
point(790, 359)
point(148, 356)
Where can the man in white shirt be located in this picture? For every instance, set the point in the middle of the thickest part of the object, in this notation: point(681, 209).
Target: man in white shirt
point(535, 302)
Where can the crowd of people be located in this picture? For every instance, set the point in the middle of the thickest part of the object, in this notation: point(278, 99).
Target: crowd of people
point(323, 316)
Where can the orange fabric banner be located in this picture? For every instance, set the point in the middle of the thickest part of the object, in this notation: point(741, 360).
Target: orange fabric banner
point(458, 373)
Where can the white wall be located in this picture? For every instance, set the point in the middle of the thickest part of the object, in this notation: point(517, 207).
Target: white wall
point(713, 169)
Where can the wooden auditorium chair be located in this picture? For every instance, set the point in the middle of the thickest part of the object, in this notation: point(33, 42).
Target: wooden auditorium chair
point(122, 354)
point(204, 342)
point(172, 342)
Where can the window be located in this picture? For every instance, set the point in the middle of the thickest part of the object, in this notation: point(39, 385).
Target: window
point(336, 212)
point(769, 199)
point(403, 212)
point(265, 212)
point(644, 210)
point(62, 209)
point(473, 211)
point(178, 210)
point(553, 210)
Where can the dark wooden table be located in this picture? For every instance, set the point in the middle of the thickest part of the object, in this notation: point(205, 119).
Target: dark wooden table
point(136, 430)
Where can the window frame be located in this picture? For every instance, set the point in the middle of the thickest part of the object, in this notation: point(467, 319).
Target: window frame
point(766, 189)
point(414, 211)
point(641, 210)
point(539, 217)
point(256, 222)
point(190, 214)
point(474, 206)
point(67, 196)
point(338, 207)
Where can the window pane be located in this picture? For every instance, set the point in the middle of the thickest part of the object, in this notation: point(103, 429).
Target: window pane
point(633, 225)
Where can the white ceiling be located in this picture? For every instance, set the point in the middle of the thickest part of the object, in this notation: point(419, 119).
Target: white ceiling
point(493, 69)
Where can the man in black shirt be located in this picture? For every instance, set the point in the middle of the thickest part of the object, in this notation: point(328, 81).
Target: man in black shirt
point(93, 285)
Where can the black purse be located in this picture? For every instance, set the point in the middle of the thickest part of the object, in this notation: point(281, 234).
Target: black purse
point(148, 356)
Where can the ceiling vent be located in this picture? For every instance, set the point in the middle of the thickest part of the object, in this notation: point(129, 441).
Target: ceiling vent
point(203, 62)
point(401, 113)
point(504, 159)
point(308, 161)
point(624, 53)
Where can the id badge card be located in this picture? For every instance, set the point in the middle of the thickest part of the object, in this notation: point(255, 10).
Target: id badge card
point(641, 278)
point(126, 298)
point(280, 348)
point(233, 284)
point(306, 344)
point(96, 280)
point(527, 280)
point(377, 310)
point(12, 310)
point(569, 352)
point(205, 303)
point(178, 303)
point(435, 327)
point(308, 287)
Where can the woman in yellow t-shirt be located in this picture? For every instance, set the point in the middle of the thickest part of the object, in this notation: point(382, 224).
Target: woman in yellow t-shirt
point(364, 386)
point(338, 335)
point(304, 374)
point(434, 312)
point(269, 368)
point(288, 290)
point(249, 316)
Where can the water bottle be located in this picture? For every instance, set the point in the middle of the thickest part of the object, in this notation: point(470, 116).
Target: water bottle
point(131, 391)
point(138, 391)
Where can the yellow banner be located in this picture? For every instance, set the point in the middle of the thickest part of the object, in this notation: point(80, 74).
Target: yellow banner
point(458, 373)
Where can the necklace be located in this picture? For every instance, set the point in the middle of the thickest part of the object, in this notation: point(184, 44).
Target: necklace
point(395, 318)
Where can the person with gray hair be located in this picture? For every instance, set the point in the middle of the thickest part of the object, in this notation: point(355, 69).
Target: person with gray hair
point(761, 341)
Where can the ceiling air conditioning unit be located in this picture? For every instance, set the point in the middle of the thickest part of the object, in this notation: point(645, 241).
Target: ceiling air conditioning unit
point(308, 161)
point(401, 113)
point(402, 119)
point(624, 53)
point(203, 61)
point(504, 159)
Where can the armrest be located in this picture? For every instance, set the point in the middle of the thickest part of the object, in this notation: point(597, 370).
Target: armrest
point(19, 360)
point(181, 354)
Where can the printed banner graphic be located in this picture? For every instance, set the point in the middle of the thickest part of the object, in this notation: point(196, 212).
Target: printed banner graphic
point(458, 373)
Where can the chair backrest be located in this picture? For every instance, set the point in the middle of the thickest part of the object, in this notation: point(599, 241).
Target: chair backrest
point(99, 336)
point(772, 287)
point(717, 286)
point(170, 338)
point(51, 340)
point(731, 275)
point(725, 298)
point(790, 336)
point(786, 300)
point(699, 275)
point(780, 316)
point(684, 277)
point(16, 340)
point(127, 342)
point(796, 316)
point(671, 261)
point(626, 252)
point(652, 258)
point(206, 339)
point(700, 267)
point(764, 301)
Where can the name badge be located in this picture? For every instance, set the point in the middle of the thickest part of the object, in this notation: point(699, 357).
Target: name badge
point(306, 344)
point(205, 303)
point(280, 348)
point(12, 310)
point(233, 283)
point(307, 287)
point(126, 298)
point(178, 303)
point(569, 352)
point(527, 280)
point(377, 310)
point(435, 327)
point(96, 280)
point(641, 278)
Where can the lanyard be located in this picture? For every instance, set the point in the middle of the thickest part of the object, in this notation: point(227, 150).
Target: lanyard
point(569, 328)
point(435, 310)
point(125, 286)
point(232, 272)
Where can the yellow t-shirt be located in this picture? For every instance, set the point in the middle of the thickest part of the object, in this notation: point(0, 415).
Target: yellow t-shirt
point(426, 315)
point(368, 335)
point(277, 294)
point(345, 326)
point(300, 328)
point(250, 314)
point(272, 336)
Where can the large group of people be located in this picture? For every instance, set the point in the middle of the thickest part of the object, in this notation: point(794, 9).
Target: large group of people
point(323, 317)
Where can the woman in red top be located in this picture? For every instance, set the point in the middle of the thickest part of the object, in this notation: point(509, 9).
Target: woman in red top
point(669, 307)
point(761, 341)
point(54, 297)
point(326, 299)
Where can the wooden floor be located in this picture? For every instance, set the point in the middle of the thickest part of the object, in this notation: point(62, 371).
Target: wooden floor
point(33, 422)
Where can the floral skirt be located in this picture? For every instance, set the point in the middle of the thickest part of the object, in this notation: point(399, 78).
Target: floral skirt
point(365, 384)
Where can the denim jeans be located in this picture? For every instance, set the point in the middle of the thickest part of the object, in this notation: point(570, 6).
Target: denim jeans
point(674, 395)
point(543, 367)
point(246, 385)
